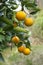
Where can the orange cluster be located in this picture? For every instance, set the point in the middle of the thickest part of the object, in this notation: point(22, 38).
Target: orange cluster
point(21, 49)
point(21, 15)
point(28, 21)
point(24, 50)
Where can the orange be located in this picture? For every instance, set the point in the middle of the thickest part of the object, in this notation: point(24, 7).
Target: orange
point(21, 48)
point(28, 21)
point(26, 51)
point(20, 15)
point(15, 39)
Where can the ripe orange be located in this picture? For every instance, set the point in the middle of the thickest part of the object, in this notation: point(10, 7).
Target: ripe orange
point(20, 15)
point(26, 51)
point(28, 21)
point(21, 48)
point(15, 39)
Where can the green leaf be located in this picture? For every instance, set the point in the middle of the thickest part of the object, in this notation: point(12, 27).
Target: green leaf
point(27, 43)
point(6, 20)
point(19, 44)
point(14, 18)
point(27, 35)
point(1, 31)
point(14, 7)
point(12, 2)
point(20, 29)
point(8, 38)
point(2, 38)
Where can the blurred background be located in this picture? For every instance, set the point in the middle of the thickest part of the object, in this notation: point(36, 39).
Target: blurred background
point(36, 57)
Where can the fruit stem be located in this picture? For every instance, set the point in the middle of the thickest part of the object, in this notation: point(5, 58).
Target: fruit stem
point(22, 5)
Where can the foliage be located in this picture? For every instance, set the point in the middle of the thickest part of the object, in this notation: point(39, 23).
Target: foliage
point(31, 5)
point(7, 30)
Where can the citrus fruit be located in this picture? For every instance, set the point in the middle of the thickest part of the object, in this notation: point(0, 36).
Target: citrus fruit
point(16, 39)
point(21, 48)
point(28, 21)
point(20, 15)
point(26, 51)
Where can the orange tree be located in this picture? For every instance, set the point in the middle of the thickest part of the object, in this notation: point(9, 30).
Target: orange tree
point(13, 24)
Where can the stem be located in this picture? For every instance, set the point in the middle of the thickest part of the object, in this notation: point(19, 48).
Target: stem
point(22, 8)
point(5, 12)
point(22, 5)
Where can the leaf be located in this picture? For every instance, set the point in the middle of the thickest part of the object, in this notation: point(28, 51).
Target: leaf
point(1, 31)
point(14, 7)
point(6, 20)
point(26, 35)
point(14, 18)
point(8, 38)
point(27, 43)
point(13, 2)
point(20, 29)
point(19, 44)
point(2, 38)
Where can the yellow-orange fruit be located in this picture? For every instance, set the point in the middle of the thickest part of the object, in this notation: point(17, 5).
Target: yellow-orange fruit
point(26, 51)
point(28, 21)
point(21, 48)
point(15, 39)
point(20, 15)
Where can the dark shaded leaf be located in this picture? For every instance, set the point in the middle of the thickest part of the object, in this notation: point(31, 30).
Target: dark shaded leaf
point(2, 38)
